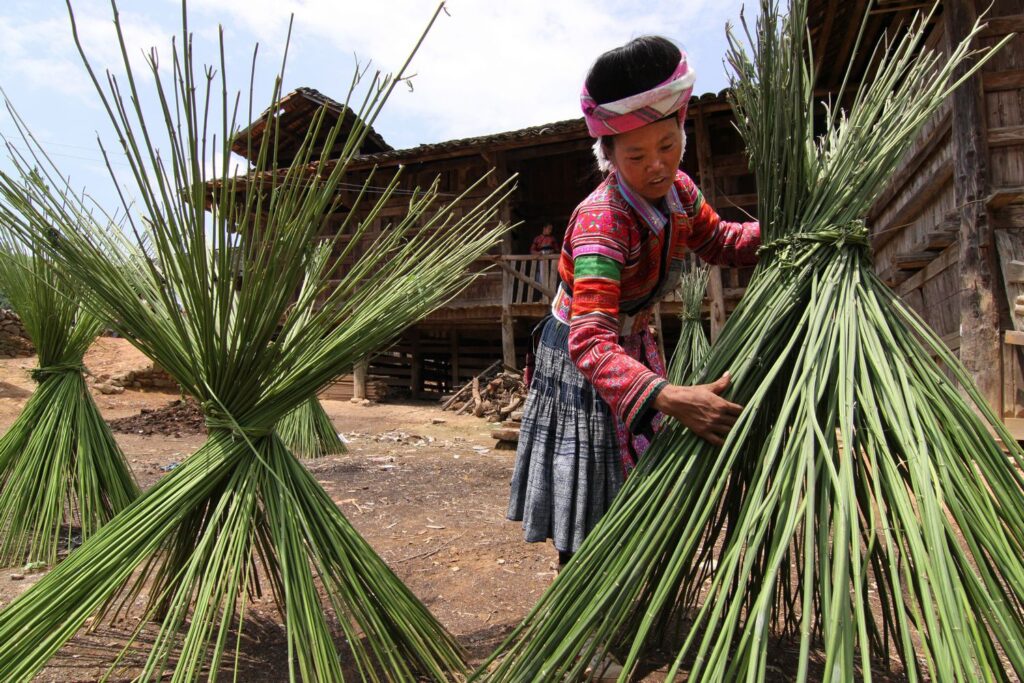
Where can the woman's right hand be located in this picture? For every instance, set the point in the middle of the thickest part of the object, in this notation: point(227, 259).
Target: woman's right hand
point(701, 408)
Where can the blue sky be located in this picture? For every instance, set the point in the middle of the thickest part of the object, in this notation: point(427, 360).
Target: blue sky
point(486, 67)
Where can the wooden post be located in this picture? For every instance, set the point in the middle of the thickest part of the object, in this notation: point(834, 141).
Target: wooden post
point(508, 332)
point(661, 333)
point(359, 374)
point(508, 339)
point(979, 312)
point(716, 294)
point(716, 291)
point(454, 350)
point(416, 374)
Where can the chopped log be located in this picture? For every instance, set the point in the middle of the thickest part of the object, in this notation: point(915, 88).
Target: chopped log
point(507, 409)
point(493, 398)
point(505, 434)
point(485, 408)
point(476, 395)
point(455, 397)
point(468, 385)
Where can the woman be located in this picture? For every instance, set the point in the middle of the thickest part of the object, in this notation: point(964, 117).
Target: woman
point(598, 388)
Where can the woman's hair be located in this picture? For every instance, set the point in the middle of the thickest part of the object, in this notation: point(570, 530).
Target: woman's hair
point(633, 68)
point(639, 65)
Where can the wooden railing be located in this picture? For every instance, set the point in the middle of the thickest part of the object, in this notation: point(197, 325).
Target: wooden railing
point(1011, 373)
point(526, 279)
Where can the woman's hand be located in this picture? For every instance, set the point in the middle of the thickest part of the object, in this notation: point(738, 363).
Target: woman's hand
point(701, 408)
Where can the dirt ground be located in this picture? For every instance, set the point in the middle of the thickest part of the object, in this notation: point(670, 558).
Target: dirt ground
point(426, 488)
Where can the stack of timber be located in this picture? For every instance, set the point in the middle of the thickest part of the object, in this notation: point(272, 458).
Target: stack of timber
point(343, 389)
point(497, 394)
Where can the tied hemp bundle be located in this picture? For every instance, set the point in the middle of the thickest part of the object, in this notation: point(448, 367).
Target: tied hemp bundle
point(307, 431)
point(61, 472)
point(203, 280)
point(857, 473)
point(692, 347)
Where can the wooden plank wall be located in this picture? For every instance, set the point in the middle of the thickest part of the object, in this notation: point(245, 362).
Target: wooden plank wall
point(454, 176)
point(915, 216)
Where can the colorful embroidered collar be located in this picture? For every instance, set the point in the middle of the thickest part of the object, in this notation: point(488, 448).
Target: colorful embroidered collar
point(651, 215)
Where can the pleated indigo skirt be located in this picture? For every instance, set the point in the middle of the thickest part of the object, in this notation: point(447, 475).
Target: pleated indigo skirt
point(568, 466)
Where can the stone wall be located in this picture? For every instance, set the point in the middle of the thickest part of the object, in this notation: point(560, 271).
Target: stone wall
point(14, 341)
point(151, 378)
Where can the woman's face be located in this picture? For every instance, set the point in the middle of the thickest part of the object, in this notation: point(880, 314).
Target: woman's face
point(647, 158)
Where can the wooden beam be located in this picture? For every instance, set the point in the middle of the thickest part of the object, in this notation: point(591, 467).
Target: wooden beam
point(550, 150)
point(944, 261)
point(705, 168)
point(997, 27)
point(890, 8)
point(937, 240)
point(468, 149)
point(416, 361)
point(717, 297)
point(1005, 136)
point(1014, 272)
point(1014, 338)
point(923, 195)
point(661, 333)
point(454, 353)
point(913, 160)
point(508, 332)
point(508, 338)
point(849, 36)
point(737, 200)
point(705, 163)
point(893, 276)
point(1015, 425)
point(1004, 196)
point(997, 81)
point(821, 42)
point(914, 260)
point(979, 316)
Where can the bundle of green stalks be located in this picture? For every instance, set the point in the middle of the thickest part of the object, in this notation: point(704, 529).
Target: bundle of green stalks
point(692, 347)
point(308, 432)
point(211, 298)
point(861, 506)
point(61, 472)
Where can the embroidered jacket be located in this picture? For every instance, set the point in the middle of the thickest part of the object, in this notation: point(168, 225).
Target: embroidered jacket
point(620, 256)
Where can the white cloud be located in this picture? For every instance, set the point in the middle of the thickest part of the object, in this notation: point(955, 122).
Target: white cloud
point(37, 46)
point(485, 68)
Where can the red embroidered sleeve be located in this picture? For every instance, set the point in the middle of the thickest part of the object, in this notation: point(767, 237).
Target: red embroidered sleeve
point(600, 243)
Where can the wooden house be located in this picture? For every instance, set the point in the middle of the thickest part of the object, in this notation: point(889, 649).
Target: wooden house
point(948, 231)
point(492, 319)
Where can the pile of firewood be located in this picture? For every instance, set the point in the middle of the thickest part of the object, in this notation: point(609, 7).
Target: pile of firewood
point(496, 394)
